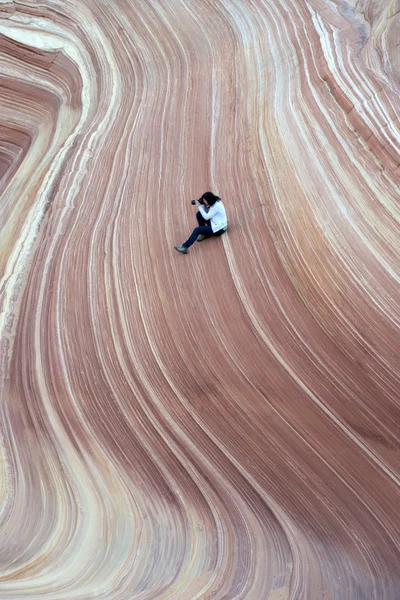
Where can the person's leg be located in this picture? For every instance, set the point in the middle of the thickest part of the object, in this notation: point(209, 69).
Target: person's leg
point(212, 234)
point(201, 220)
point(203, 231)
point(200, 230)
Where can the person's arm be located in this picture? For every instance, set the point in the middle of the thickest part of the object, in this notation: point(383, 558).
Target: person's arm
point(211, 211)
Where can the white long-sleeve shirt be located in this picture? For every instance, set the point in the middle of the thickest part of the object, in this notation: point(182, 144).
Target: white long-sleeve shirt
point(216, 214)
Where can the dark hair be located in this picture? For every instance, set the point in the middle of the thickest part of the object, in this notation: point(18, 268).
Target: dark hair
point(211, 198)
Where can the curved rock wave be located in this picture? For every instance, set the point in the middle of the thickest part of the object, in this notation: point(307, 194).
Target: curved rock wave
point(222, 425)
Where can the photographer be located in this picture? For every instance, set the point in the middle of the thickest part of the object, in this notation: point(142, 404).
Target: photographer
point(211, 218)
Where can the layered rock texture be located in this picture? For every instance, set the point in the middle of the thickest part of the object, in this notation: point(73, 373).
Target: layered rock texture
point(222, 425)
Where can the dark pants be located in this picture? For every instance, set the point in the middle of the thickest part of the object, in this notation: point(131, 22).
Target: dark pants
point(204, 228)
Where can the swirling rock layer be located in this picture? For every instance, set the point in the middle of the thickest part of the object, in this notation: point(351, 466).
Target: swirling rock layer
point(223, 425)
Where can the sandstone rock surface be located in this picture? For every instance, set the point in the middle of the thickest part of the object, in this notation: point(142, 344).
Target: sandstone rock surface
point(222, 425)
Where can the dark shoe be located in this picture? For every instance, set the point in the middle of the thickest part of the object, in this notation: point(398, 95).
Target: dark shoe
point(200, 238)
point(182, 249)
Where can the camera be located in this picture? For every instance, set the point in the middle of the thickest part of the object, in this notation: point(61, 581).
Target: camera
point(200, 200)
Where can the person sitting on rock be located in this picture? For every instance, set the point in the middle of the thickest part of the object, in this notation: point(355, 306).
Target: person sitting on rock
point(211, 218)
